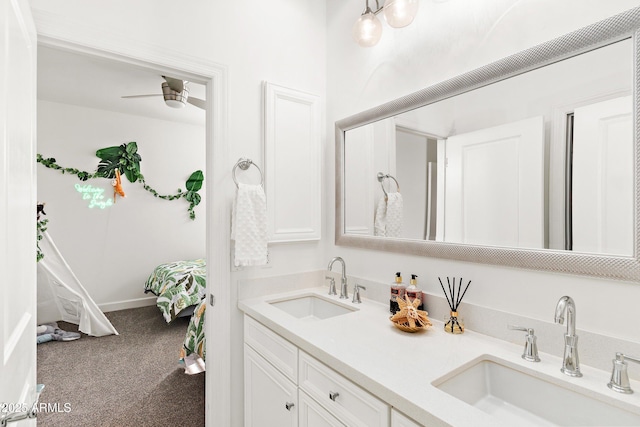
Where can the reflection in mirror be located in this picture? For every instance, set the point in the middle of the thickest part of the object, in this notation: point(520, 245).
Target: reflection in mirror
point(541, 160)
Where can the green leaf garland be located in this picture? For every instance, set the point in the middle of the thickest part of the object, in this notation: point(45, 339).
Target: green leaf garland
point(194, 183)
point(125, 157)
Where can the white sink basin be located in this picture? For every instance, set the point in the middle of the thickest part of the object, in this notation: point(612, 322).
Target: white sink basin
point(312, 307)
point(521, 399)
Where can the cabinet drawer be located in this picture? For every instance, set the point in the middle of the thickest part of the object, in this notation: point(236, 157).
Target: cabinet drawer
point(278, 351)
point(348, 402)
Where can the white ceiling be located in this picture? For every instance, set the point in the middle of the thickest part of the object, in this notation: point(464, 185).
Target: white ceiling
point(89, 81)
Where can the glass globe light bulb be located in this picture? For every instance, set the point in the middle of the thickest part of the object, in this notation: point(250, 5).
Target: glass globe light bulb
point(174, 103)
point(400, 13)
point(368, 29)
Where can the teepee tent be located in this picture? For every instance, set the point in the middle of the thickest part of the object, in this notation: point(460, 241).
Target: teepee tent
point(61, 296)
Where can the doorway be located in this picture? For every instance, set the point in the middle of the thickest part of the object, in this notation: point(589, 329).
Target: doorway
point(213, 77)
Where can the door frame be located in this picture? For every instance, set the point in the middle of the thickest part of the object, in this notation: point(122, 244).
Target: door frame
point(54, 31)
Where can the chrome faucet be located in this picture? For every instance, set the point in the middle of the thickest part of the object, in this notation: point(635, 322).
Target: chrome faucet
point(570, 361)
point(344, 293)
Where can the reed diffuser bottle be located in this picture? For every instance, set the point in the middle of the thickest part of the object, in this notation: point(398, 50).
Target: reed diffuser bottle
point(453, 324)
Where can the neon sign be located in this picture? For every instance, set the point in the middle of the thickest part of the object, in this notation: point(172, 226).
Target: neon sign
point(94, 195)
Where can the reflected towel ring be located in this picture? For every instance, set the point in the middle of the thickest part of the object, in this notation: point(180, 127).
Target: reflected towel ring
point(382, 177)
point(244, 164)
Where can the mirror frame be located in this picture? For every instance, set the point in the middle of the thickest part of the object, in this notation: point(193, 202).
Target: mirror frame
point(619, 27)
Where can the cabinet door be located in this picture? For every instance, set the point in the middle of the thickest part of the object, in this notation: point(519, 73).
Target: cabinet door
point(398, 419)
point(314, 415)
point(270, 399)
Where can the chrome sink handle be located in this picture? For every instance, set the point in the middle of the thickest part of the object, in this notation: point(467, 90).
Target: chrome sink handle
point(619, 377)
point(332, 285)
point(530, 352)
point(356, 293)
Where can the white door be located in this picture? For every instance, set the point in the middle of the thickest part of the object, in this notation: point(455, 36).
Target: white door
point(602, 196)
point(17, 207)
point(411, 154)
point(368, 150)
point(494, 186)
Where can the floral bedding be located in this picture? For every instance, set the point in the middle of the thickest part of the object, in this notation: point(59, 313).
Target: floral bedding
point(178, 285)
point(194, 341)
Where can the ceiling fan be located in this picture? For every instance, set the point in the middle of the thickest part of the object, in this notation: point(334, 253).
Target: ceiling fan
point(175, 93)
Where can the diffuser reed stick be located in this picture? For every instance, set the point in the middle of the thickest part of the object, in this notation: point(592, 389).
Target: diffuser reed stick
point(453, 325)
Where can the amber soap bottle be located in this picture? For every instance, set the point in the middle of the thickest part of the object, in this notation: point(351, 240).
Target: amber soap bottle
point(413, 292)
point(397, 291)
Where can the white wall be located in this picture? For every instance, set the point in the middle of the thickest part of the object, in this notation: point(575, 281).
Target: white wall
point(112, 251)
point(447, 39)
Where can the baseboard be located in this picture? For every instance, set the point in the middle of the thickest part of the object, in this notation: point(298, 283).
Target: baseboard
point(132, 303)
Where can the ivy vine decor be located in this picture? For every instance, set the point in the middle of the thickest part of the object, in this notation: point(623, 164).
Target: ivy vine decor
point(125, 158)
point(42, 227)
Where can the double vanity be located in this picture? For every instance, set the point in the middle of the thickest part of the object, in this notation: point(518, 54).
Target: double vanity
point(314, 359)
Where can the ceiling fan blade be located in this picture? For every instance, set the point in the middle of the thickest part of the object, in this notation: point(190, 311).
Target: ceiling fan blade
point(174, 84)
point(200, 103)
point(141, 96)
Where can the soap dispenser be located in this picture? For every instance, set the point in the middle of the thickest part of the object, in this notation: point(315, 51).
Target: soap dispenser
point(397, 291)
point(413, 292)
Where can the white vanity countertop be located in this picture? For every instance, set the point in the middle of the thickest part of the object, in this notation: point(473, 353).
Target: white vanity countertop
point(399, 367)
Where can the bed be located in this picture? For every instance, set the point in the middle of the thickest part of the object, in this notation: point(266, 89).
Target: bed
point(180, 286)
point(194, 341)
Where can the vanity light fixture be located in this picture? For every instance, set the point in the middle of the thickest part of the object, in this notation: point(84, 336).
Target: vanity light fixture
point(398, 13)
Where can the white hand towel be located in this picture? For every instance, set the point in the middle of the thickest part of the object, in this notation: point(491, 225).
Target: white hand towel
point(388, 218)
point(380, 221)
point(394, 214)
point(249, 226)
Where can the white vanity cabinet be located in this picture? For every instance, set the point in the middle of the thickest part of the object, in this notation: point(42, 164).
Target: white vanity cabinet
point(286, 387)
point(270, 398)
point(398, 419)
point(270, 378)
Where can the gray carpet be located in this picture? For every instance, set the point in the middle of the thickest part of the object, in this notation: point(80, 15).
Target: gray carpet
point(132, 379)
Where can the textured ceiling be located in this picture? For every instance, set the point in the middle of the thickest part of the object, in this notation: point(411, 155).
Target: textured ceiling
point(89, 81)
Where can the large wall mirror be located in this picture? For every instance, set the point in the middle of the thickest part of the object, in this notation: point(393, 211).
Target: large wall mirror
point(530, 161)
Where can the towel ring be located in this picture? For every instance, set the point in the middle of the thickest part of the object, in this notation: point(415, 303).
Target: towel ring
point(382, 177)
point(244, 164)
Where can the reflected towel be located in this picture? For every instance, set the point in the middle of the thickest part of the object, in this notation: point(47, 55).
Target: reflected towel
point(249, 226)
point(380, 221)
point(388, 218)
